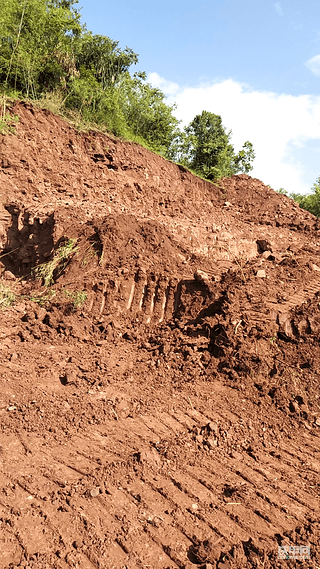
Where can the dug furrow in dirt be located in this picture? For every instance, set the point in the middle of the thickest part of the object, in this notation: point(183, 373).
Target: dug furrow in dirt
point(159, 361)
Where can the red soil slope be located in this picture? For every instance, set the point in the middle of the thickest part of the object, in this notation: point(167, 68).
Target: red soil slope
point(160, 400)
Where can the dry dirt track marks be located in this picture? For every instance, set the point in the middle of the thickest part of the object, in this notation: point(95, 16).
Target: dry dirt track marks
point(78, 505)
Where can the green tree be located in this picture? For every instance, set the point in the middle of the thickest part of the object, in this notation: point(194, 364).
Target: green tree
point(104, 58)
point(242, 162)
point(148, 115)
point(37, 44)
point(310, 202)
point(205, 148)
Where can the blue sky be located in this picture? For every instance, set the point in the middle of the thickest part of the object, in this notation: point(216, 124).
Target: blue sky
point(254, 62)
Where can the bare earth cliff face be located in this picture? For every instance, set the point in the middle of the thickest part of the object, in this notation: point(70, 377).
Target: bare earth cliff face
point(160, 399)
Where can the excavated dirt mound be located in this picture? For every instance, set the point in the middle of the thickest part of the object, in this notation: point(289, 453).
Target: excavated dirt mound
point(160, 361)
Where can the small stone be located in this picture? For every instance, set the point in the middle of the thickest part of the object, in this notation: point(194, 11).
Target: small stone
point(314, 267)
point(94, 492)
point(41, 314)
point(8, 276)
point(267, 255)
point(317, 422)
point(149, 457)
point(261, 273)
point(194, 506)
point(202, 277)
point(211, 442)
point(213, 427)
point(227, 204)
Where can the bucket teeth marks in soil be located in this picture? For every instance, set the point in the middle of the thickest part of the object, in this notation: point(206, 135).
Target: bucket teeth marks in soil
point(31, 528)
point(183, 419)
point(137, 294)
point(172, 423)
point(245, 517)
point(158, 427)
point(298, 456)
point(159, 512)
point(143, 297)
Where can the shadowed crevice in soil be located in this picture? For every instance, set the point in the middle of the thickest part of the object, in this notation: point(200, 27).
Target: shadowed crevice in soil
point(29, 241)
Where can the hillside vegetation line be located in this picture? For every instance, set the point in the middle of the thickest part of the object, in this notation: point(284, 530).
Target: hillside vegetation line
point(48, 55)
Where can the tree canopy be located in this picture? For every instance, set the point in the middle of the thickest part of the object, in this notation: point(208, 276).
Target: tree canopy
point(205, 147)
point(310, 202)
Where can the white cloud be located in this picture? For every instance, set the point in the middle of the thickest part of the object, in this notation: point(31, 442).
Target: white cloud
point(278, 125)
point(278, 7)
point(168, 87)
point(314, 64)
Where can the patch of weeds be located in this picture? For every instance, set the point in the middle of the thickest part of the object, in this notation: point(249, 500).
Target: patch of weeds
point(90, 254)
point(62, 256)
point(7, 123)
point(7, 297)
point(76, 297)
point(43, 299)
point(52, 101)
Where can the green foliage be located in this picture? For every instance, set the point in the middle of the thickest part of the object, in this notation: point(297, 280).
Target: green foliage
point(242, 162)
point(7, 297)
point(205, 147)
point(8, 122)
point(46, 271)
point(101, 56)
point(43, 299)
point(310, 202)
point(76, 297)
point(147, 114)
point(37, 42)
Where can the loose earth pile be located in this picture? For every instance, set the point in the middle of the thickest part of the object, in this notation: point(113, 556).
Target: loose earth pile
point(160, 361)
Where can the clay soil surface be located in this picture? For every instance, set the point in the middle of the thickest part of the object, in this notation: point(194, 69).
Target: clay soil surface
point(159, 361)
